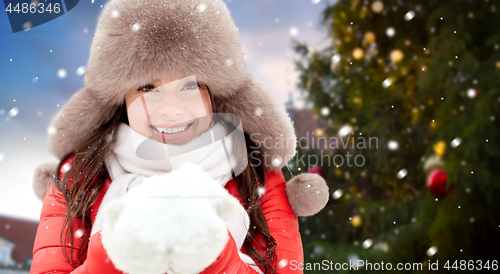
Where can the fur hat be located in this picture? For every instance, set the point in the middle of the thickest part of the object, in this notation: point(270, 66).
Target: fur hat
point(137, 41)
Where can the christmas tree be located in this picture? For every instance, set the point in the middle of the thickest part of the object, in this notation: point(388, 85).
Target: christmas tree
point(410, 91)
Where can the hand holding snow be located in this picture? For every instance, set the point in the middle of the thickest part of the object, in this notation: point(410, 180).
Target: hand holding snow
point(171, 223)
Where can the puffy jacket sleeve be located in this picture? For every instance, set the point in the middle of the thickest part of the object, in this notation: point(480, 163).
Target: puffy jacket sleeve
point(283, 226)
point(48, 256)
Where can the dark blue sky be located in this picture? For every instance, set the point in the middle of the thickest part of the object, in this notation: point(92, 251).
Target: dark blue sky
point(31, 84)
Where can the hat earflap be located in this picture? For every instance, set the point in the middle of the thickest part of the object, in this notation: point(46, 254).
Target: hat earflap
point(307, 193)
point(43, 179)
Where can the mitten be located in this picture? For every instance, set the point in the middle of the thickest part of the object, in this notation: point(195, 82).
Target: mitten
point(171, 223)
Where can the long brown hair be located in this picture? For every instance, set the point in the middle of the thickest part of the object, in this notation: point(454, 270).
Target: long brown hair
point(82, 183)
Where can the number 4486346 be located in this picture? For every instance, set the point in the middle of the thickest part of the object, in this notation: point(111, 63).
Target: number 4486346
point(472, 265)
point(34, 8)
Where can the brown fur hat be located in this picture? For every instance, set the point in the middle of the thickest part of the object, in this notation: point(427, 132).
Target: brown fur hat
point(138, 41)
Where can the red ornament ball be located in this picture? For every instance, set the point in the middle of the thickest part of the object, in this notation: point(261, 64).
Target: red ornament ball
point(436, 183)
point(317, 170)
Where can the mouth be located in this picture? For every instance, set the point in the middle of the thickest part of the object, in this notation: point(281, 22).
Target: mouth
point(173, 130)
point(170, 135)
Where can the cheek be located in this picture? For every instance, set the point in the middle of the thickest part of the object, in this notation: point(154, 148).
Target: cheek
point(199, 105)
point(136, 114)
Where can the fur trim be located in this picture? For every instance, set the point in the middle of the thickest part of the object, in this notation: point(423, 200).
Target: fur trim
point(307, 194)
point(265, 120)
point(137, 41)
point(43, 178)
point(76, 120)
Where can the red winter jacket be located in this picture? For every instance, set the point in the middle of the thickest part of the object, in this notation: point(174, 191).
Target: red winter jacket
point(48, 256)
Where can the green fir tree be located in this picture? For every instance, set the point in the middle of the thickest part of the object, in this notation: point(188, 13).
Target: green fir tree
point(423, 78)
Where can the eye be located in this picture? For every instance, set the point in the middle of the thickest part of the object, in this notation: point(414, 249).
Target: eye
point(191, 85)
point(147, 88)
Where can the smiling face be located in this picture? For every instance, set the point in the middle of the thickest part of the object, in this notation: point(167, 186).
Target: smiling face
point(171, 112)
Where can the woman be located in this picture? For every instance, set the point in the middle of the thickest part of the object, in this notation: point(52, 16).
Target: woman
point(140, 54)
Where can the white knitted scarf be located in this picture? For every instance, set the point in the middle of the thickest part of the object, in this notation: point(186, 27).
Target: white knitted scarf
point(127, 170)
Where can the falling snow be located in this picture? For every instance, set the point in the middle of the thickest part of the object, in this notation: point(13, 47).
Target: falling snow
point(387, 82)
point(261, 190)
point(283, 263)
point(136, 27)
point(392, 145)
point(79, 233)
point(61, 73)
point(367, 243)
point(337, 194)
point(409, 15)
point(13, 112)
point(345, 130)
point(277, 160)
point(51, 130)
point(66, 167)
point(258, 111)
point(471, 93)
point(455, 142)
point(431, 251)
point(80, 71)
point(402, 173)
point(390, 32)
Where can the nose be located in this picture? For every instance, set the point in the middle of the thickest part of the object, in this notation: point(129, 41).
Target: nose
point(170, 105)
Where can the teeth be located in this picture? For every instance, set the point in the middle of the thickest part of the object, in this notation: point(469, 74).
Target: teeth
point(171, 130)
